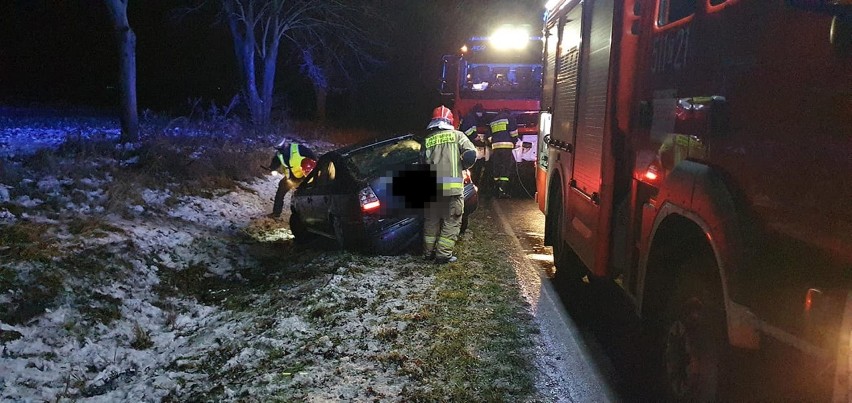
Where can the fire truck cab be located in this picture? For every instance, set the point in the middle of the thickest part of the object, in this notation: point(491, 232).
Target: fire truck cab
point(500, 71)
point(698, 153)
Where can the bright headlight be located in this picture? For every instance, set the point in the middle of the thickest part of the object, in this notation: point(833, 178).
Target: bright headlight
point(510, 37)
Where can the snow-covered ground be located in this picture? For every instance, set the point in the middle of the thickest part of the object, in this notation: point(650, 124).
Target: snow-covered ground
point(133, 337)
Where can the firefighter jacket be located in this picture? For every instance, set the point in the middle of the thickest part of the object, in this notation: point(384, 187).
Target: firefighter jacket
point(469, 125)
point(290, 157)
point(502, 131)
point(448, 152)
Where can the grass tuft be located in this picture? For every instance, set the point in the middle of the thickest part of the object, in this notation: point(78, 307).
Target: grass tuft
point(101, 308)
point(141, 338)
point(27, 241)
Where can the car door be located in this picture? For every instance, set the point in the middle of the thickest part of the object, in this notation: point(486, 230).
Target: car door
point(308, 201)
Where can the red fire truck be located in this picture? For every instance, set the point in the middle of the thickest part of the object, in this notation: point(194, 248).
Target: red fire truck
point(699, 154)
point(499, 71)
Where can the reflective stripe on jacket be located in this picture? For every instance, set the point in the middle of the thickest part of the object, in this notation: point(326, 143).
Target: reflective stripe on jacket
point(296, 161)
point(503, 132)
point(443, 153)
point(293, 161)
point(469, 126)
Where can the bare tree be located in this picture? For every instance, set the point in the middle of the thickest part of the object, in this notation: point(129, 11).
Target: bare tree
point(126, 39)
point(343, 49)
point(258, 27)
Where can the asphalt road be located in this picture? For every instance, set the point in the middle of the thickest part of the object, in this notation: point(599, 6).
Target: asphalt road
point(583, 369)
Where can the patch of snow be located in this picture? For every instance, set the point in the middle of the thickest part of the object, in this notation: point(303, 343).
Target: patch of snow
point(64, 353)
point(4, 193)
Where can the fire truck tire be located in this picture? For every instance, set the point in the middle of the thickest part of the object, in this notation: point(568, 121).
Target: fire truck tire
point(569, 268)
point(688, 339)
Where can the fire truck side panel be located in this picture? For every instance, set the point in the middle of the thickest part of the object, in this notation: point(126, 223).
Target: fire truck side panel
point(584, 198)
point(564, 124)
point(567, 63)
point(594, 80)
point(736, 121)
point(788, 161)
point(754, 91)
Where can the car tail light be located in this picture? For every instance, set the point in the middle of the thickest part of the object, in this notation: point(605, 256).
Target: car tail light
point(368, 199)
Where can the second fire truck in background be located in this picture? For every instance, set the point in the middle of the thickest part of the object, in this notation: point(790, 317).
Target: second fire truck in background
point(501, 71)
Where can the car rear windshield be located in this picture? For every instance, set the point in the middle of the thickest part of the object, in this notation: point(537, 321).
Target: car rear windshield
point(373, 161)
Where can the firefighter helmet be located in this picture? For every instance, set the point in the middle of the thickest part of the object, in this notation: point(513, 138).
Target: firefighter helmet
point(442, 118)
point(308, 165)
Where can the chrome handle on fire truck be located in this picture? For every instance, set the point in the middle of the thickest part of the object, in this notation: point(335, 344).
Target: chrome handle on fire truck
point(699, 103)
point(558, 144)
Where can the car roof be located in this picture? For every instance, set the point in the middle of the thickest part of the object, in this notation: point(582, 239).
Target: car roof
point(374, 142)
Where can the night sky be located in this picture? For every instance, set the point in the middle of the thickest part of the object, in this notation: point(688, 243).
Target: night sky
point(62, 52)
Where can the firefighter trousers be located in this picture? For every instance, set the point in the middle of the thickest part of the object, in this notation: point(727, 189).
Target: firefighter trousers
point(503, 167)
point(284, 186)
point(441, 226)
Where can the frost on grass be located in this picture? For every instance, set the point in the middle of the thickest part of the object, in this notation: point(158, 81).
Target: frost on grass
point(148, 272)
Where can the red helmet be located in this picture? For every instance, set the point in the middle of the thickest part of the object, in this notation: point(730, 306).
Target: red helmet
point(442, 118)
point(308, 165)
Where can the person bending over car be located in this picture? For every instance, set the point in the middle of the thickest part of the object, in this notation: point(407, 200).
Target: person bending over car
point(448, 152)
point(295, 162)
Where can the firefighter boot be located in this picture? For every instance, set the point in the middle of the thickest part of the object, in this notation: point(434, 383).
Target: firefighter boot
point(501, 191)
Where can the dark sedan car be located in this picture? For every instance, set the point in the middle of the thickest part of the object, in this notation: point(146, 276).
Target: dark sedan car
point(368, 197)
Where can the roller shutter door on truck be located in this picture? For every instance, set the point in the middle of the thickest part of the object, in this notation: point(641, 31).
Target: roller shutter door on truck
point(594, 77)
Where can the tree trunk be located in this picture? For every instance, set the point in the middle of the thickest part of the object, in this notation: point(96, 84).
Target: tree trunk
point(269, 62)
point(129, 114)
point(129, 109)
point(244, 48)
point(250, 81)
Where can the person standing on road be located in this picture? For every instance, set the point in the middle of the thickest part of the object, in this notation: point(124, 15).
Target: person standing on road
point(295, 162)
point(469, 126)
point(503, 135)
point(448, 152)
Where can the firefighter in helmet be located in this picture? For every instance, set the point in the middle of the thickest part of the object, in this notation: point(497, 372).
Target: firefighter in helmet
point(448, 152)
point(294, 161)
point(469, 126)
point(503, 136)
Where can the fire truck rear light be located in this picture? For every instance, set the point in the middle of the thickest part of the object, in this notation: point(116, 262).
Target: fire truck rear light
point(368, 199)
point(811, 297)
point(653, 171)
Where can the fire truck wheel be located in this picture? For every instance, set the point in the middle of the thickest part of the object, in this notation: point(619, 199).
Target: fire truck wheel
point(569, 268)
point(689, 341)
